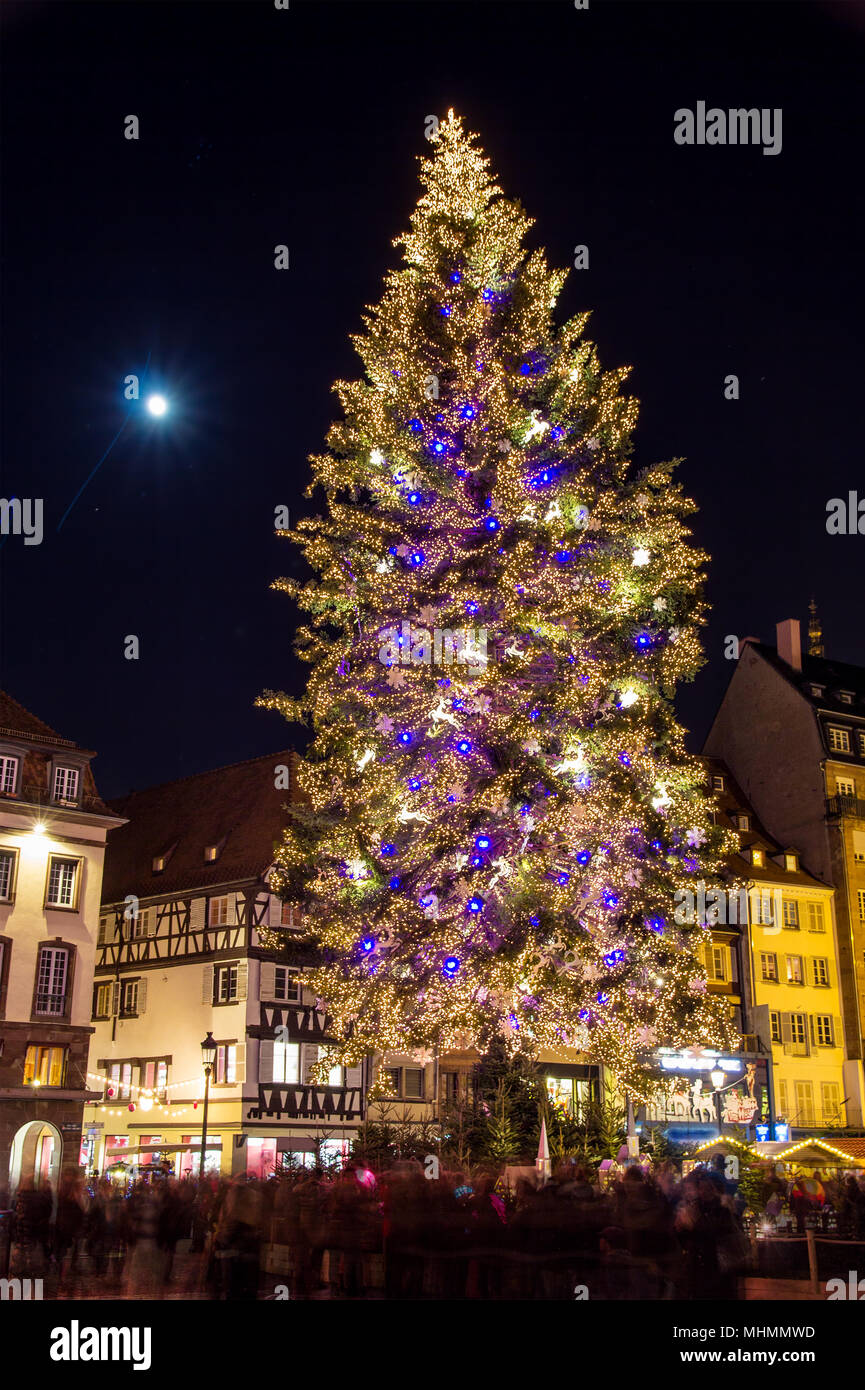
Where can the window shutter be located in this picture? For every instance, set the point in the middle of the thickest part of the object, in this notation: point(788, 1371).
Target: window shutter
point(152, 922)
point(142, 996)
point(354, 1075)
point(115, 998)
point(242, 979)
point(786, 1030)
point(268, 980)
point(207, 985)
point(240, 1062)
point(308, 1059)
point(265, 1061)
point(811, 1029)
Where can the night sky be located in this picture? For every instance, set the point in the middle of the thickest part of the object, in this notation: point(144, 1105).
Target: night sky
point(260, 126)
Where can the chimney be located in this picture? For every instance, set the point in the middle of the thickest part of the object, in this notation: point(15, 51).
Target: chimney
point(789, 643)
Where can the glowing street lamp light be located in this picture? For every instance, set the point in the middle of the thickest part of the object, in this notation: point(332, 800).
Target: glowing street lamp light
point(157, 405)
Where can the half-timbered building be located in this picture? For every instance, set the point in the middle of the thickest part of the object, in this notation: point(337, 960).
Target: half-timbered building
point(180, 956)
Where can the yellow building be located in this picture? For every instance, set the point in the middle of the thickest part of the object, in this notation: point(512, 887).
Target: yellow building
point(788, 973)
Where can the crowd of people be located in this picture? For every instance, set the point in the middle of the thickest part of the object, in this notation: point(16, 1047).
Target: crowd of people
point(397, 1234)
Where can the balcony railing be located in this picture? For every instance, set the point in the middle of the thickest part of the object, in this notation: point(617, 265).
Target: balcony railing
point(845, 806)
point(296, 1102)
point(36, 794)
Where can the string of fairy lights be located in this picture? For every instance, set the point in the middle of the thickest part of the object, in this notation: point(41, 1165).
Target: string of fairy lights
point(499, 808)
point(145, 1098)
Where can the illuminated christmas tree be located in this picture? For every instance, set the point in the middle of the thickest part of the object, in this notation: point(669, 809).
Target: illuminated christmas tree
point(500, 805)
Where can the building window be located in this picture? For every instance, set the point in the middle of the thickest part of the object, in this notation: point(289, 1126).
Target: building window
point(45, 1065)
point(139, 925)
point(413, 1079)
point(791, 912)
point(775, 1026)
point(860, 898)
point(119, 1081)
point(794, 970)
point(391, 1078)
point(845, 786)
point(859, 846)
point(845, 696)
point(823, 1030)
point(8, 864)
point(132, 994)
point(154, 1076)
point(757, 858)
point(798, 1033)
point(839, 739)
point(211, 853)
point(8, 775)
point(225, 983)
point(286, 1062)
point(862, 743)
point(781, 1091)
point(217, 912)
point(831, 1099)
point(804, 1104)
point(769, 966)
point(225, 1065)
point(816, 920)
point(717, 784)
point(66, 786)
point(51, 975)
point(817, 691)
point(63, 875)
point(102, 1001)
point(790, 863)
point(286, 985)
point(743, 822)
point(284, 914)
point(716, 963)
point(820, 969)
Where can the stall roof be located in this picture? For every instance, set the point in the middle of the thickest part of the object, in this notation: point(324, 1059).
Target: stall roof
point(818, 1152)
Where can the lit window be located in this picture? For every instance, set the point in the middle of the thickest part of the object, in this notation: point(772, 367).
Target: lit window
point(44, 1064)
point(51, 975)
point(861, 744)
point(717, 784)
point(8, 775)
point(66, 785)
point(217, 915)
point(775, 1026)
point(769, 966)
point(211, 852)
point(225, 1064)
point(743, 822)
point(845, 786)
point(286, 1063)
point(791, 912)
point(839, 739)
point(757, 858)
point(817, 691)
point(62, 890)
point(8, 860)
point(129, 999)
point(794, 970)
point(790, 863)
point(716, 963)
point(102, 1001)
point(845, 697)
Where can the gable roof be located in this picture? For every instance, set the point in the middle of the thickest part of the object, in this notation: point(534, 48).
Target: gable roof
point(237, 808)
point(818, 670)
point(731, 802)
point(15, 719)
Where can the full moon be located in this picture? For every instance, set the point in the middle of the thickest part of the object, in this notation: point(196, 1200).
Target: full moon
point(157, 405)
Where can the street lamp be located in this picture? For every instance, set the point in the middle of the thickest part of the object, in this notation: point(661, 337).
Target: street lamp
point(208, 1057)
point(718, 1077)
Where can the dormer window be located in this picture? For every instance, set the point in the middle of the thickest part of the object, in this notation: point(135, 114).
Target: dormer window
point(743, 822)
point(211, 853)
point(817, 691)
point(717, 784)
point(845, 696)
point(8, 775)
point(757, 858)
point(160, 861)
point(65, 791)
point(791, 863)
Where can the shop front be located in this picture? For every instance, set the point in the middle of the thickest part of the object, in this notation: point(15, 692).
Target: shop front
point(706, 1093)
